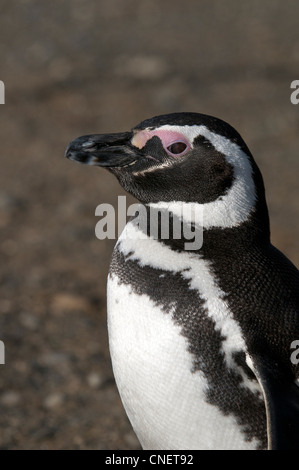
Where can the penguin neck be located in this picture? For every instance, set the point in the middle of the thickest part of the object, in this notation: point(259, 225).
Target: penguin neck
point(251, 234)
point(238, 218)
point(232, 242)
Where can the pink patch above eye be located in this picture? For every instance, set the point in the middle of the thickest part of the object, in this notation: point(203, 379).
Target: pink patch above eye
point(168, 138)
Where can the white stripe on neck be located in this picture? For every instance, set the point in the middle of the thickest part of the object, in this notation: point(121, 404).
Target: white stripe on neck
point(235, 206)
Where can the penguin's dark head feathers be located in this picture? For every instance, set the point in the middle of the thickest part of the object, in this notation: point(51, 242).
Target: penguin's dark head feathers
point(187, 157)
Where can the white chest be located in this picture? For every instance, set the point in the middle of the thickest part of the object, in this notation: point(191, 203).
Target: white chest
point(164, 400)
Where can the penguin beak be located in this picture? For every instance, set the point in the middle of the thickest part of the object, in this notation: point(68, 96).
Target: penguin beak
point(107, 150)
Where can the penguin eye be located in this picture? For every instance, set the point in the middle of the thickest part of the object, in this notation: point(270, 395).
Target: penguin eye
point(177, 148)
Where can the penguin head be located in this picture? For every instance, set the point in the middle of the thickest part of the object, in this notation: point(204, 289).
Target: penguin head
point(186, 158)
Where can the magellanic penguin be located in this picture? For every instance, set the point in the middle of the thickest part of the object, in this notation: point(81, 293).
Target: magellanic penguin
point(200, 338)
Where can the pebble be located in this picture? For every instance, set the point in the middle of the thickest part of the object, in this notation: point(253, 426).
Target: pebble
point(29, 321)
point(53, 400)
point(95, 380)
point(53, 358)
point(10, 398)
point(66, 302)
point(141, 67)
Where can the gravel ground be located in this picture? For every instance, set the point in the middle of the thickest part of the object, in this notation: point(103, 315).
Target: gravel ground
point(79, 67)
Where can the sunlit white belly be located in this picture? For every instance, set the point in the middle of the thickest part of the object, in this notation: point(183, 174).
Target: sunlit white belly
point(164, 400)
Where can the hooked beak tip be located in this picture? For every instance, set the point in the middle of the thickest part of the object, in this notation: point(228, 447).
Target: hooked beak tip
point(107, 150)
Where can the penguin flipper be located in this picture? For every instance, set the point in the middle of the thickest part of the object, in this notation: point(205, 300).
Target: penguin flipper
point(282, 409)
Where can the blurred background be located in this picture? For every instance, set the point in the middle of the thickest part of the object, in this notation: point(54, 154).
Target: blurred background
point(93, 66)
